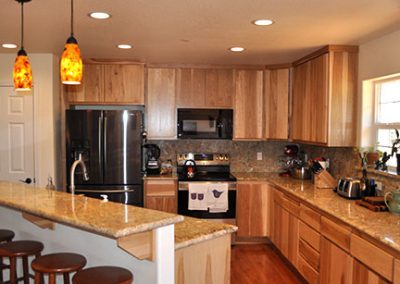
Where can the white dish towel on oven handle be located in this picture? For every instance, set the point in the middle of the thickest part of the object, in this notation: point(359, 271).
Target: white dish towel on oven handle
point(218, 197)
point(198, 196)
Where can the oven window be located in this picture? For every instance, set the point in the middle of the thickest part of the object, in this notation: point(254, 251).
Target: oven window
point(206, 126)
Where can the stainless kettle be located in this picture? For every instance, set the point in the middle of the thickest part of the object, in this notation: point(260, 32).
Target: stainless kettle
point(190, 169)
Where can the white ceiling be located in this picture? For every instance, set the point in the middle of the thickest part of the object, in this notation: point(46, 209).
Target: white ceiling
point(199, 31)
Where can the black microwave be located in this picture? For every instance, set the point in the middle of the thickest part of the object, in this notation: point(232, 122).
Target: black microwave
point(205, 123)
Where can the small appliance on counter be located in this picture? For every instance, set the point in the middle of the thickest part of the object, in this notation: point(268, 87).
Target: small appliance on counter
point(349, 188)
point(294, 163)
point(152, 162)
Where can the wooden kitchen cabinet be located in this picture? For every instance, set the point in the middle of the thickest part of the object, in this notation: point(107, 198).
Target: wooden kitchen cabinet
point(109, 84)
point(161, 195)
point(324, 97)
point(276, 104)
point(362, 274)
point(252, 209)
point(160, 103)
point(204, 88)
point(248, 105)
point(336, 265)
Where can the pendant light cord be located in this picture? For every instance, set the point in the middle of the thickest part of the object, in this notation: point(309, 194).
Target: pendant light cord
point(22, 25)
point(72, 17)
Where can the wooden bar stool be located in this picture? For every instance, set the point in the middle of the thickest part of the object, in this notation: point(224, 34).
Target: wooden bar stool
point(6, 236)
point(22, 249)
point(57, 263)
point(103, 275)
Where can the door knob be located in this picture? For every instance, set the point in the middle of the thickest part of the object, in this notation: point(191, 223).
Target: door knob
point(27, 180)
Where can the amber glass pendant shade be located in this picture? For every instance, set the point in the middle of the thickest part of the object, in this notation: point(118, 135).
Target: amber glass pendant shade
point(22, 72)
point(71, 67)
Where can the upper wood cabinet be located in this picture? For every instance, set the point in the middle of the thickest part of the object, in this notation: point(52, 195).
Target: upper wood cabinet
point(324, 97)
point(252, 209)
point(160, 103)
point(276, 104)
point(109, 84)
point(204, 88)
point(248, 105)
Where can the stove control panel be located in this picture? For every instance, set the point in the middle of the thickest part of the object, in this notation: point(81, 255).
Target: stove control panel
point(204, 159)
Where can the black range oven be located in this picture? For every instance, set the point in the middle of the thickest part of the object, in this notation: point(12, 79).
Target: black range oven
point(210, 169)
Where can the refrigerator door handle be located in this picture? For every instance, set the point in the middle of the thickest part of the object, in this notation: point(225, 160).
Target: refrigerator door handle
point(104, 191)
point(105, 142)
point(99, 151)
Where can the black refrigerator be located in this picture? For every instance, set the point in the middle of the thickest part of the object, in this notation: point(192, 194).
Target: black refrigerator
point(110, 143)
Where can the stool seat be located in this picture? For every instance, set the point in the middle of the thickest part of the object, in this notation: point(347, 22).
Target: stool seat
point(103, 275)
point(20, 248)
point(58, 263)
point(6, 236)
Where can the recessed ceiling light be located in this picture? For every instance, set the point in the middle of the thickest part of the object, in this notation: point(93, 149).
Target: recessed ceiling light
point(99, 15)
point(237, 49)
point(9, 45)
point(263, 22)
point(124, 46)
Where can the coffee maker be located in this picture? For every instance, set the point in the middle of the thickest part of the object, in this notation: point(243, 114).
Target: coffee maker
point(152, 155)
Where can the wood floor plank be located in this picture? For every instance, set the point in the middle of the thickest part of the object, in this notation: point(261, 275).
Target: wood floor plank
point(260, 264)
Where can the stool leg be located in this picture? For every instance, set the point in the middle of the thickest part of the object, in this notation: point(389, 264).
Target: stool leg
point(52, 278)
point(1, 269)
point(37, 278)
point(25, 269)
point(66, 278)
point(13, 270)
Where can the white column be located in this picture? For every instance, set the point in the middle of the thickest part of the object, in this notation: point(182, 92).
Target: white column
point(164, 249)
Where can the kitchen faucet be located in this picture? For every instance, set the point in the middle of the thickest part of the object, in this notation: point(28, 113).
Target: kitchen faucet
point(77, 162)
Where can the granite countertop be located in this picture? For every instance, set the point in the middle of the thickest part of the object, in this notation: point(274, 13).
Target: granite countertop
point(192, 231)
point(382, 226)
point(111, 219)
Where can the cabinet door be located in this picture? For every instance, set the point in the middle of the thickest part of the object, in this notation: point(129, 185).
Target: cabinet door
point(248, 107)
point(190, 87)
point(362, 274)
point(160, 103)
point(276, 104)
point(124, 83)
point(160, 203)
point(336, 266)
point(92, 88)
point(220, 88)
point(251, 206)
point(310, 101)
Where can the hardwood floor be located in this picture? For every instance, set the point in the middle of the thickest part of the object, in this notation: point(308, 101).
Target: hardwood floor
point(259, 264)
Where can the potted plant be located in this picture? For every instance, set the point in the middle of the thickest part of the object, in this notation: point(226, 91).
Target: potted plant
point(372, 156)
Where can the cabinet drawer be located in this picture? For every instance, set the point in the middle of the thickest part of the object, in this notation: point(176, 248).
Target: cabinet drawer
point(290, 205)
point(372, 256)
point(310, 236)
point(309, 254)
point(338, 234)
point(310, 217)
point(307, 271)
point(160, 188)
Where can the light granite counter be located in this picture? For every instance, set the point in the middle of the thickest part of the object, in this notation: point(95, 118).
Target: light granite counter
point(381, 226)
point(193, 231)
point(110, 219)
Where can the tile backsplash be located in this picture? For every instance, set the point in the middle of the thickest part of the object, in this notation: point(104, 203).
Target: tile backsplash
point(343, 161)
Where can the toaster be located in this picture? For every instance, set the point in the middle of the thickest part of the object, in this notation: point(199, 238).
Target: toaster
point(349, 188)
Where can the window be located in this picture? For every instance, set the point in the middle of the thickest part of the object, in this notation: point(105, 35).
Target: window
point(387, 115)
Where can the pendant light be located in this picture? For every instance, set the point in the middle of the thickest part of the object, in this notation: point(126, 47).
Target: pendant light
point(71, 61)
point(22, 72)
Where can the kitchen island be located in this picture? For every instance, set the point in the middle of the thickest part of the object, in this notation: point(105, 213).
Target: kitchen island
point(106, 233)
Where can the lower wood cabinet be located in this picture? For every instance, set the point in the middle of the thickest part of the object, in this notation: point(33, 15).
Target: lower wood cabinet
point(252, 209)
point(336, 265)
point(362, 274)
point(161, 195)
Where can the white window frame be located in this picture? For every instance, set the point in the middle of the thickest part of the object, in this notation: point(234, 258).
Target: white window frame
point(377, 125)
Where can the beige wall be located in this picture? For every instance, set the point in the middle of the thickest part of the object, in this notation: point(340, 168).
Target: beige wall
point(46, 111)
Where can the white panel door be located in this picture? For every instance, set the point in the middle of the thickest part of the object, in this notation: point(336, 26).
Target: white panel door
point(16, 136)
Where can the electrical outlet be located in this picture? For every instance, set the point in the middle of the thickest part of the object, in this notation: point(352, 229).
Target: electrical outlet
point(259, 156)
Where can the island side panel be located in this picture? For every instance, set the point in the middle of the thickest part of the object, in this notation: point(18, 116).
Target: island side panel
point(98, 250)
